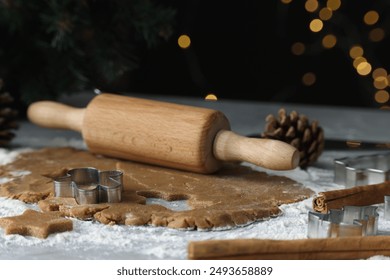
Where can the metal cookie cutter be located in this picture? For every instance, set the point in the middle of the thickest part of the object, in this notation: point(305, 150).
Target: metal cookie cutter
point(362, 170)
point(89, 185)
point(350, 221)
point(387, 207)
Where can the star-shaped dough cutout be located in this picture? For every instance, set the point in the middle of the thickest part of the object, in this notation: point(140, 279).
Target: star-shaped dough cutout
point(37, 224)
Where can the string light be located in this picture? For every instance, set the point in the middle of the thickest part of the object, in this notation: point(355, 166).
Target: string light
point(184, 41)
point(380, 76)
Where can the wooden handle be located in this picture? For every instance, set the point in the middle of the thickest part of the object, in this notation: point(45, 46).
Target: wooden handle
point(354, 247)
point(267, 153)
point(55, 115)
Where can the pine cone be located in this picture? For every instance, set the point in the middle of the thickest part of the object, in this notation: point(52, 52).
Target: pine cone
point(297, 130)
point(8, 117)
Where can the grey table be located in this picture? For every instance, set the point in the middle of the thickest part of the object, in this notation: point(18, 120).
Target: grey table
point(247, 118)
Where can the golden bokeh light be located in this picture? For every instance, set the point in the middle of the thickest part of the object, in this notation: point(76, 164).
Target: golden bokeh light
point(382, 96)
point(311, 5)
point(381, 82)
point(371, 17)
point(329, 41)
point(358, 60)
point(356, 51)
point(364, 68)
point(333, 4)
point(316, 25)
point(298, 48)
point(379, 72)
point(377, 34)
point(325, 13)
point(211, 97)
point(308, 79)
point(184, 41)
point(286, 1)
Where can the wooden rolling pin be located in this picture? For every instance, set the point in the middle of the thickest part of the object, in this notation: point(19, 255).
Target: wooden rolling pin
point(161, 133)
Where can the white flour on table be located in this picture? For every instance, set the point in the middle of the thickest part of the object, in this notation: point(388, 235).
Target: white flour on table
point(92, 240)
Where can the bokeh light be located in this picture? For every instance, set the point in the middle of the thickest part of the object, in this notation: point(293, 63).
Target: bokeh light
point(329, 41)
point(298, 48)
point(333, 4)
point(381, 82)
point(382, 96)
point(184, 41)
point(379, 72)
point(311, 5)
point(316, 25)
point(325, 13)
point(356, 51)
point(371, 17)
point(377, 34)
point(364, 68)
point(211, 97)
point(309, 79)
point(358, 61)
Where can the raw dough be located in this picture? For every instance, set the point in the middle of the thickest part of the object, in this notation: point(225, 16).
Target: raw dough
point(36, 224)
point(237, 195)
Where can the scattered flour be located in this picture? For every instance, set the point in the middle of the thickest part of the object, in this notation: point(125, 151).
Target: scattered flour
point(92, 240)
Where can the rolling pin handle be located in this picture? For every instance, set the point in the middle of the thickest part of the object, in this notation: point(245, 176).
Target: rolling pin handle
point(56, 115)
point(267, 153)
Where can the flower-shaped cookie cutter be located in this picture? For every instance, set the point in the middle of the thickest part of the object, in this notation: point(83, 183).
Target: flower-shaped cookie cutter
point(362, 170)
point(349, 221)
point(90, 186)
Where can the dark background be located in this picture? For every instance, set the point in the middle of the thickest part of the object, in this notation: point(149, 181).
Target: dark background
point(242, 50)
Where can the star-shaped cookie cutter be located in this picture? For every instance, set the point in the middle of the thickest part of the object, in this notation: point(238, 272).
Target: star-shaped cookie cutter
point(362, 170)
point(349, 221)
point(90, 186)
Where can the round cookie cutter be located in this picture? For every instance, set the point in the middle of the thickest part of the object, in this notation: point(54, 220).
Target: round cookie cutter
point(90, 186)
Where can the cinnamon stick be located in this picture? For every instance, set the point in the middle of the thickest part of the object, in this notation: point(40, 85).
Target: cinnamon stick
point(341, 248)
point(356, 196)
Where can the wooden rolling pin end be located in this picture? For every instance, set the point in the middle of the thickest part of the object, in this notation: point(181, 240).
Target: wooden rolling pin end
point(51, 114)
point(267, 153)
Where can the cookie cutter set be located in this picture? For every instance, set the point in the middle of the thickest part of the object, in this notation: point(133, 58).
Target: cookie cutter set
point(353, 220)
point(349, 221)
point(90, 186)
point(362, 170)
